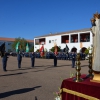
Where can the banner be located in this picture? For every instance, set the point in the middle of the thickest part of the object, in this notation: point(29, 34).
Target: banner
point(2, 49)
point(66, 49)
point(42, 51)
point(27, 47)
point(17, 46)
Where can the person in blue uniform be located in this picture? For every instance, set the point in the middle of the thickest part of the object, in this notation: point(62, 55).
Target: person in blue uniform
point(32, 55)
point(55, 59)
point(19, 58)
point(73, 59)
point(4, 60)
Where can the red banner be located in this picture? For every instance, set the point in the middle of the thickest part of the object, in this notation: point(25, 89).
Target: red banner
point(42, 51)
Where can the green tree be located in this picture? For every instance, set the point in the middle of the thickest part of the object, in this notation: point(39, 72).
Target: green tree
point(37, 50)
point(87, 50)
point(53, 49)
point(23, 43)
point(32, 49)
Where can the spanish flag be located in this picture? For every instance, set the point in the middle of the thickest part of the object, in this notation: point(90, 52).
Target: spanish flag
point(42, 51)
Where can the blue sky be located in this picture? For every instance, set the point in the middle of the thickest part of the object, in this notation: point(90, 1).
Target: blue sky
point(31, 18)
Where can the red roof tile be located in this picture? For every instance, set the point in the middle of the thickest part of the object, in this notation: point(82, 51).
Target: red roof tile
point(12, 39)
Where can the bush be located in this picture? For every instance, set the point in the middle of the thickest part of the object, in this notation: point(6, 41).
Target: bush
point(37, 50)
point(86, 51)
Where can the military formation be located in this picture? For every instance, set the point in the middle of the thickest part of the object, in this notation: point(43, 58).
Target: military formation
point(19, 59)
point(32, 56)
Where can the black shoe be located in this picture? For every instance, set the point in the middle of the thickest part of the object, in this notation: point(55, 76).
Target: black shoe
point(5, 70)
point(19, 67)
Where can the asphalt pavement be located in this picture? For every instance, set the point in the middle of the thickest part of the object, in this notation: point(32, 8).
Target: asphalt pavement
point(38, 83)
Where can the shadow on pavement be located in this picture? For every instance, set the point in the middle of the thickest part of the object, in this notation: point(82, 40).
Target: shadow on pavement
point(23, 68)
point(14, 92)
point(36, 98)
point(50, 67)
point(13, 74)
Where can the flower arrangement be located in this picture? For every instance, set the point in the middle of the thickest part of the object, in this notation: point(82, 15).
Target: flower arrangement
point(57, 95)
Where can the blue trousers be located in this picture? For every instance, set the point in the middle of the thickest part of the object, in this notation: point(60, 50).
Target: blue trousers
point(55, 61)
point(32, 62)
point(73, 63)
point(4, 65)
point(19, 63)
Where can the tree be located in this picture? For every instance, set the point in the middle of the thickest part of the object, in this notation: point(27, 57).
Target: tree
point(37, 50)
point(22, 41)
point(87, 51)
point(32, 49)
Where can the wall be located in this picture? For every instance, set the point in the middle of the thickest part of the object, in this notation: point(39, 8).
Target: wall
point(57, 39)
point(8, 45)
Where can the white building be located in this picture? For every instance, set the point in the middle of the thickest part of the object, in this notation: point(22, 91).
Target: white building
point(9, 42)
point(76, 40)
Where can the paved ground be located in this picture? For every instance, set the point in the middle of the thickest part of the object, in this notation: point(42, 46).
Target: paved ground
point(40, 81)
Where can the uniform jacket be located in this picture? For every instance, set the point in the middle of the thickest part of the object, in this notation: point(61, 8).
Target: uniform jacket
point(19, 57)
point(5, 57)
point(73, 56)
point(32, 56)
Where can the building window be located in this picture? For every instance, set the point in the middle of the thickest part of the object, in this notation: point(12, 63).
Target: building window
point(88, 38)
point(85, 37)
point(72, 40)
point(52, 41)
point(49, 41)
point(9, 43)
point(36, 41)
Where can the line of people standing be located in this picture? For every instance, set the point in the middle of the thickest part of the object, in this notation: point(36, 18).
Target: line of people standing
point(19, 59)
point(32, 56)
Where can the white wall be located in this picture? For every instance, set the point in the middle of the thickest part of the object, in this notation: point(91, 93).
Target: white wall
point(57, 39)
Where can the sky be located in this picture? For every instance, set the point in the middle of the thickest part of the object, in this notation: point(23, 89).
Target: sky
point(32, 18)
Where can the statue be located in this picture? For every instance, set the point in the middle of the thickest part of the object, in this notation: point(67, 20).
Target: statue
point(96, 46)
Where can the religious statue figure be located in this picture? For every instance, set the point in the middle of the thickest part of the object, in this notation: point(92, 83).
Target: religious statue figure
point(96, 43)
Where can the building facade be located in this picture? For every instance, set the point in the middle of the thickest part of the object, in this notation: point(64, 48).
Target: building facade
point(9, 42)
point(76, 40)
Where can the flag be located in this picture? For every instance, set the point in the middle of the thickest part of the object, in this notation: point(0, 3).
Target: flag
point(2, 49)
point(56, 50)
point(17, 46)
point(66, 49)
point(42, 51)
point(27, 47)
